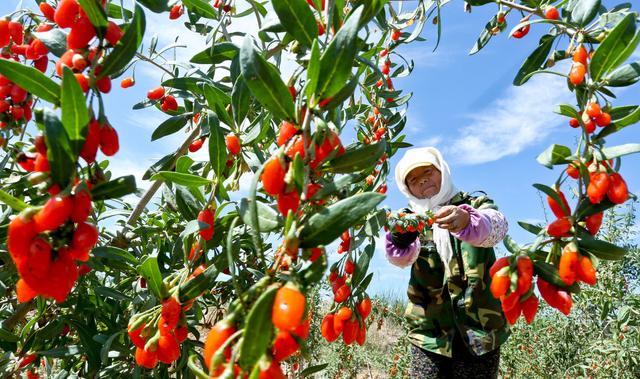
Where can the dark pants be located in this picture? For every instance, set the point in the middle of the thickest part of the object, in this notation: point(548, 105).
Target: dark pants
point(462, 365)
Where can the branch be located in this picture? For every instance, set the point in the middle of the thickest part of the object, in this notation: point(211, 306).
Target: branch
point(520, 7)
point(147, 59)
point(137, 211)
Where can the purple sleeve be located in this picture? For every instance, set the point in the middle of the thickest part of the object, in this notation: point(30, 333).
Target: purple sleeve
point(401, 257)
point(486, 227)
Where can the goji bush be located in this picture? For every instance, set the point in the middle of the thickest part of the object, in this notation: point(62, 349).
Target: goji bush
point(242, 269)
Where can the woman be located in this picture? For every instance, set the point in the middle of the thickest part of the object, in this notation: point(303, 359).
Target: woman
point(457, 326)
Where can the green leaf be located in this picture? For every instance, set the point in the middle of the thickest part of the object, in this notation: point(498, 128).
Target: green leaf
point(157, 6)
point(201, 8)
point(337, 185)
point(217, 146)
point(342, 95)
point(615, 48)
point(151, 272)
point(113, 253)
point(240, 100)
point(111, 293)
point(126, 48)
point(258, 330)
point(621, 150)
point(218, 53)
point(170, 126)
point(104, 351)
point(537, 58)
point(535, 229)
point(95, 12)
point(621, 117)
point(297, 19)
point(55, 40)
point(550, 274)
point(163, 164)
point(61, 159)
point(567, 110)
point(263, 79)
point(313, 369)
point(554, 155)
point(313, 70)
point(114, 189)
point(601, 249)
point(624, 76)
point(75, 115)
point(194, 287)
point(511, 245)
point(358, 159)
point(327, 225)
point(115, 11)
point(218, 101)
point(187, 180)
point(337, 60)
point(268, 218)
point(31, 80)
point(586, 208)
point(189, 83)
point(15, 203)
point(485, 35)
point(585, 11)
point(371, 9)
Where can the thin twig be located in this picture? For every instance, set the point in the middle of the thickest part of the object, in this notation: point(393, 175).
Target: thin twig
point(149, 60)
point(137, 211)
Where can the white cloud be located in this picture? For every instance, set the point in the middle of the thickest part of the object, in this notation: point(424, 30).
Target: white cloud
point(521, 118)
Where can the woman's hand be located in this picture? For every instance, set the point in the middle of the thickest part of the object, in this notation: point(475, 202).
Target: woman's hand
point(452, 218)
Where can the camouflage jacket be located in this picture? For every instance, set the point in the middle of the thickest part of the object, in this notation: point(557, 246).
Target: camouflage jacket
point(440, 305)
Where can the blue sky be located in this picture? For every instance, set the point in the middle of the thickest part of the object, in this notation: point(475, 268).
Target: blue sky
point(489, 131)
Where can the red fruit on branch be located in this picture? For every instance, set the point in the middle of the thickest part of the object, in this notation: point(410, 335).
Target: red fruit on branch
point(146, 358)
point(233, 143)
point(168, 350)
point(568, 266)
point(156, 93)
point(573, 169)
point(55, 212)
point(598, 186)
point(580, 55)
point(593, 110)
point(551, 13)
point(512, 314)
point(558, 209)
point(574, 123)
point(288, 308)
point(395, 34)
point(530, 308)
point(500, 283)
point(349, 267)
point(284, 346)
point(16, 30)
point(109, 143)
point(66, 13)
point(289, 201)
point(498, 264)
point(326, 328)
point(585, 271)
point(555, 297)
point(90, 148)
point(364, 307)
point(617, 192)
point(127, 82)
point(104, 84)
point(169, 103)
point(350, 330)
point(176, 11)
point(576, 75)
point(47, 10)
point(287, 130)
point(218, 335)
point(82, 32)
point(114, 34)
point(593, 223)
point(523, 31)
point(273, 176)
point(207, 217)
point(525, 274)
point(560, 227)
point(603, 119)
point(84, 238)
point(196, 145)
point(342, 293)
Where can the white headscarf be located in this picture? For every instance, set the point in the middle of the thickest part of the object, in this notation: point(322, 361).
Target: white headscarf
point(427, 156)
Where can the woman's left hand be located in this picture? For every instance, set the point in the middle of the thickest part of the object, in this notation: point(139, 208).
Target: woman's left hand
point(452, 218)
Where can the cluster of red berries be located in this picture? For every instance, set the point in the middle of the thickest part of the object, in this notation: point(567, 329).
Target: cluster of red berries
point(518, 299)
point(45, 244)
point(348, 322)
point(160, 341)
point(167, 102)
point(402, 222)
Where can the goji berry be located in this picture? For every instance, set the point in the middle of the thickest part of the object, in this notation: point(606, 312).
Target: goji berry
point(176, 11)
point(326, 328)
point(558, 209)
point(47, 10)
point(273, 176)
point(218, 335)
point(55, 212)
point(560, 227)
point(85, 237)
point(585, 271)
point(551, 13)
point(127, 82)
point(156, 93)
point(617, 192)
point(109, 143)
point(233, 143)
point(146, 358)
point(66, 13)
point(288, 308)
point(342, 293)
point(576, 75)
point(530, 308)
point(207, 217)
point(114, 33)
point(593, 223)
point(82, 32)
point(289, 201)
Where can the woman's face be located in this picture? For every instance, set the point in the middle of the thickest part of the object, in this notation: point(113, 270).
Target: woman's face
point(424, 181)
